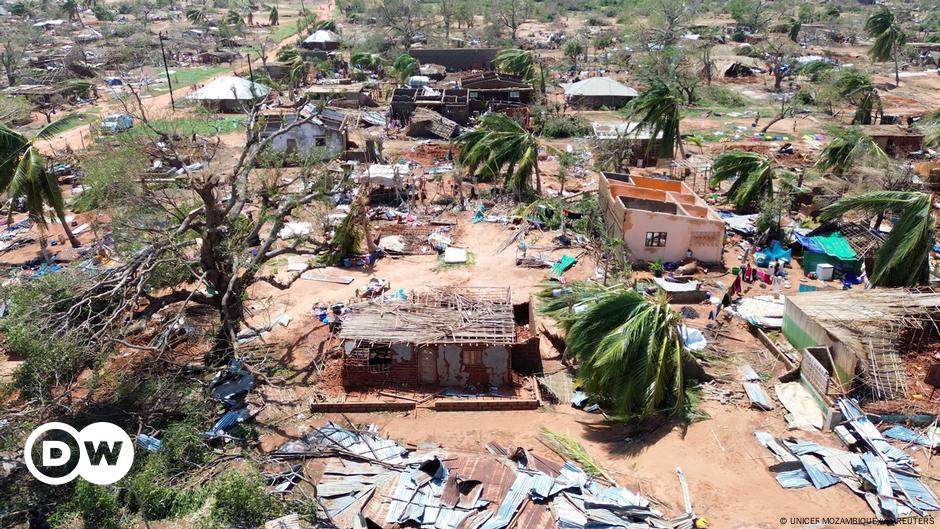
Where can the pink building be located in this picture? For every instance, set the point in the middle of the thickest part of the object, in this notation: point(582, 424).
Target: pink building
point(660, 219)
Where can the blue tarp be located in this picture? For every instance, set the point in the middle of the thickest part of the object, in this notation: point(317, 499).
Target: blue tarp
point(808, 243)
point(774, 252)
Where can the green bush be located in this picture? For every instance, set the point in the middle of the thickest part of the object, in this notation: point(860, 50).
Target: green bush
point(242, 501)
point(564, 127)
point(95, 505)
point(720, 96)
point(111, 178)
point(103, 13)
point(48, 359)
point(16, 110)
point(155, 497)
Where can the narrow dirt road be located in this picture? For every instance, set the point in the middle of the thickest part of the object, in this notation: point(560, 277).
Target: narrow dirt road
point(77, 137)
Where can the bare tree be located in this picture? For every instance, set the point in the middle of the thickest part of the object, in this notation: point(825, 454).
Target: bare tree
point(11, 54)
point(511, 14)
point(403, 19)
point(218, 238)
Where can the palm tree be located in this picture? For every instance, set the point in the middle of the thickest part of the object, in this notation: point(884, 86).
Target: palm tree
point(199, 17)
point(329, 25)
point(846, 148)
point(366, 61)
point(520, 63)
point(500, 144)
point(23, 174)
point(404, 67)
point(794, 32)
point(274, 18)
point(858, 89)
point(72, 10)
point(629, 347)
point(902, 260)
point(196, 15)
point(296, 67)
point(233, 18)
point(930, 124)
point(753, 176)
point(889, 38)
point(657, 111)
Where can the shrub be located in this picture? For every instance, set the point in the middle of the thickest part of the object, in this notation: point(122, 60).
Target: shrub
point(16, 110)
point(103, 13)
point(111, 178)
point(241, 500)
point(95, 505)
point(721, 96)
point(564, 127)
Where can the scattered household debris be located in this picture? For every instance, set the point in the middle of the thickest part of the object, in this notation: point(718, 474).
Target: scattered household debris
point(372, 480)
point(882, 474)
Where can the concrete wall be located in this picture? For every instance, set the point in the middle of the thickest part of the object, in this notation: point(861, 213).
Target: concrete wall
point(306, 136)
point(693, 226)
point(803, 331)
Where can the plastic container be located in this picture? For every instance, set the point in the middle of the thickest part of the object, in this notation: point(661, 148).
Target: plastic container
point(824, 272)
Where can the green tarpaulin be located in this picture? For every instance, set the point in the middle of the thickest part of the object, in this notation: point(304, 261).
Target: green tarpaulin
point(834, 244)
point(561, 265)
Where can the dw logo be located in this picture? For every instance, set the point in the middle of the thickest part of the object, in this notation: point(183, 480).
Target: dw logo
point(101, 453)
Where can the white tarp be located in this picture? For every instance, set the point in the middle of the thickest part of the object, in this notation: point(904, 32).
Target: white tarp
point(599, 86)
point(225, 88)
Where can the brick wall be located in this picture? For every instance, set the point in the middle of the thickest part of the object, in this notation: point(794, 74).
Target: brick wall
point(360, 407)
point(485, 405)
point(398, 373)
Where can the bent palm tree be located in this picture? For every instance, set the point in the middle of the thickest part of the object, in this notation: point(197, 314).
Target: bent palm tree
point(629, 347)
point(753, 175)
point(889, 38)
point(520, 63)
point(404, 67)
point(23, 174)
point(902, 260)
point(500, 144)
point(858, 89)
point(657, 111)
point(366, 61)
point(846, 148)
point(296, 68)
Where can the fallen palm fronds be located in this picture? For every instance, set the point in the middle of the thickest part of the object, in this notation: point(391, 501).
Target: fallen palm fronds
point(569, 447)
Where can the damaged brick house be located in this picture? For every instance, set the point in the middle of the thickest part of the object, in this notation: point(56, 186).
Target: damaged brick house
point(440, 337)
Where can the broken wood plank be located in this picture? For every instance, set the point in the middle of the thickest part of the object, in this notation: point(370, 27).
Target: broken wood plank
point(310, 275)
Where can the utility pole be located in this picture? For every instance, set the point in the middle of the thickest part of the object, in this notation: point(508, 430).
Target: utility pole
point(167, 70)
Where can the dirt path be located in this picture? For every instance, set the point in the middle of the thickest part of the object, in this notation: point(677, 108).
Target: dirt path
point(75, 138)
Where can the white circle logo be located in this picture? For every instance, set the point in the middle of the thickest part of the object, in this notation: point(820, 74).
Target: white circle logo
point(105, 453)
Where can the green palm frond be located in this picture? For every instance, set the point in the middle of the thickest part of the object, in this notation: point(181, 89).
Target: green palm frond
point(516, 62)
point(500, 146)
point(903, 258)
point(57, 127)
point(753, 176)
point(628, 346)
point(847, 147)
point(404, 67)
point(657, 110)
point(888, 36)
point(794, 31)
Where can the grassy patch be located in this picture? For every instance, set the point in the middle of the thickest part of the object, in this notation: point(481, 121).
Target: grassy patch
point(441, 265)
point(189, 76)
point(195, 125)
point(284, 31)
